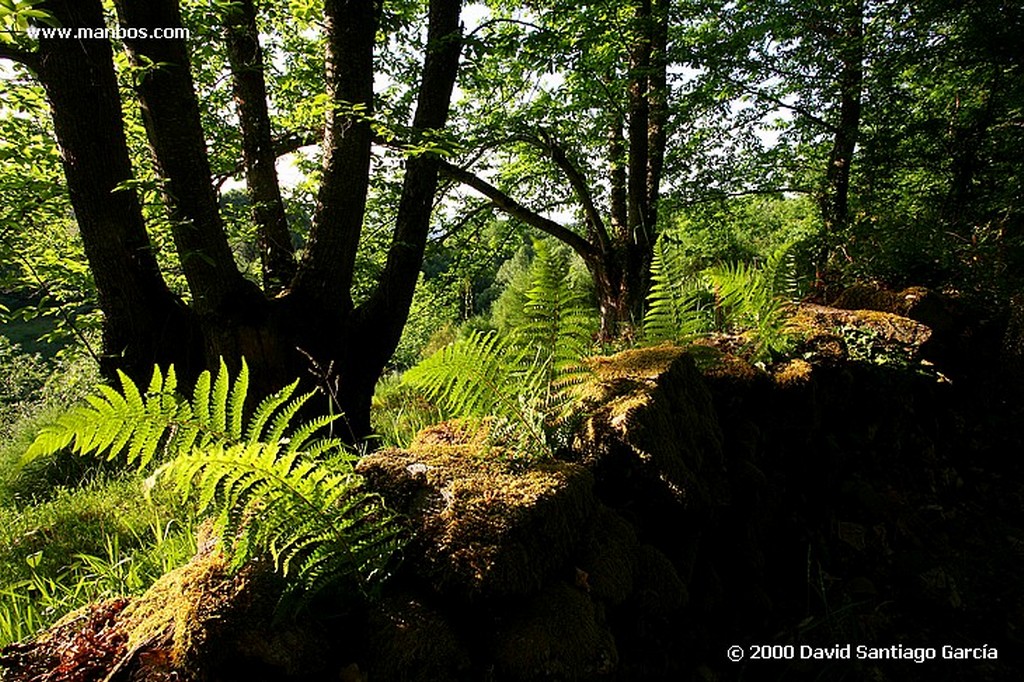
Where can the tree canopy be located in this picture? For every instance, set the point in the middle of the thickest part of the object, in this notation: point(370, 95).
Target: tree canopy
point(429, 141)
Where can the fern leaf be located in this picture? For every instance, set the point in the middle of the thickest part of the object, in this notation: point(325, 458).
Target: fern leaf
point(677, 307)
point(300, 438)
point(284, 418)
point(236, 402)
point(219, 401)
point(201, 400)
point(286, 500)
point(265, 411)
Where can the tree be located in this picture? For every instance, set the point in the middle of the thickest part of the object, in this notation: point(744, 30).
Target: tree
point(314, 318)
point(557, 94)
point(797, 67)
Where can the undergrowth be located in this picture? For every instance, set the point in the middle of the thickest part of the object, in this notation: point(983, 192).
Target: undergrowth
point(277, 490)
point(522, 381)
point(82, 544)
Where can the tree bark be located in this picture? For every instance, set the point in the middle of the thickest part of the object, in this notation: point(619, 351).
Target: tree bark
point(143, 322)
point(277, 256)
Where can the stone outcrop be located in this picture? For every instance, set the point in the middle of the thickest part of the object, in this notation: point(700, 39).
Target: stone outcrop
point(703, 502)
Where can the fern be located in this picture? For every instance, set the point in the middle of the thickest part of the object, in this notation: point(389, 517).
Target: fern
point(523, 382)
point(678, 305)
point(272, 486)
point(558, 325)
point(736, 298)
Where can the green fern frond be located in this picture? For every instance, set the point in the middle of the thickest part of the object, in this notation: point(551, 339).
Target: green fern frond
point(679, 305)
point(278, 491)
point(523, 382)
point(469, 377)
point(782, 271)
point(316, 522)
point(732, 297)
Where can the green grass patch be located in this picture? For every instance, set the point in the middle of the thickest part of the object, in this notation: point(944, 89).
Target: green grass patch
point(400, 412)
point(99, 540)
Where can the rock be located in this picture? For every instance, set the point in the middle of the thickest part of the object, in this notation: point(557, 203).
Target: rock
point(199, 622)
point(918, 303)
point(413, 642)
point(893, 333)
point(480, 529)
point(655, 431)
point(609, 558)
point(558, 635)
point(83, 645)
point(659, 589)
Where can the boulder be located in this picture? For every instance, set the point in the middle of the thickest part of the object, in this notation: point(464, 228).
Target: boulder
point(479, 527)
point(652, 432)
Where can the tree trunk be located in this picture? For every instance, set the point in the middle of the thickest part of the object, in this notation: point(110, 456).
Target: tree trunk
point(143, 322)
point(277, 256)
point(834, 199)
point(377, 324)
point(309, 331)
point(328, 262)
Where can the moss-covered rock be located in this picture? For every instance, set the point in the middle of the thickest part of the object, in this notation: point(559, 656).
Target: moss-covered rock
point(412, 642)
point(823, 328)
point(479, 528)
point(917, 303)
point(659, 589)
point(205, 622)
point(558, 635)
point(654, 424)
point(608, 559)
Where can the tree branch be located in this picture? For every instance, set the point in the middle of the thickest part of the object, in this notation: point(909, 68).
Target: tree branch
point(384, 314)
point(802, 111)
point(23, 57)
point(547, 144)
point(172, 120)
point(284, 145)
point(328, 261)
point(245, 55)
point(513, 208)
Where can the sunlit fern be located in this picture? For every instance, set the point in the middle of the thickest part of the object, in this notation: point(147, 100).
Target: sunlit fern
point(278, 490)
point(736, 298)
point(524, 381)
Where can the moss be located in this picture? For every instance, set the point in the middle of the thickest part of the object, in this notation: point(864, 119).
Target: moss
point(792, 373)
point(820, 323)
point(659, 589)
point(607, 563)
point(658, 421)
point(174, 613)
point(478, 526)
point(414, 643)
point(637, 363)
point(918, 303)
point(557, 636)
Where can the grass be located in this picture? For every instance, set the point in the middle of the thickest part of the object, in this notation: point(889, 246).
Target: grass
point(400, 412)
point(72, 530)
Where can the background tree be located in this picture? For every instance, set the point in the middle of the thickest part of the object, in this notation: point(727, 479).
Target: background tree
point(569, 108)
point(888, 115)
